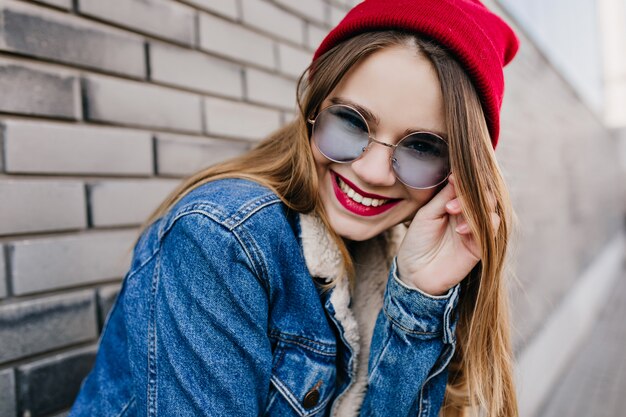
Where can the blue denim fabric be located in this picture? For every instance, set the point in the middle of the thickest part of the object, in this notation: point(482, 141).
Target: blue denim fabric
point(219, 316)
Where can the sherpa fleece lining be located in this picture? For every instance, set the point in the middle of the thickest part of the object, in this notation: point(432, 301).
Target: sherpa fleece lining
point(372, 260)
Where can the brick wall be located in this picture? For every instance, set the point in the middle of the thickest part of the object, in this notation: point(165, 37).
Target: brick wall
point(105, 105)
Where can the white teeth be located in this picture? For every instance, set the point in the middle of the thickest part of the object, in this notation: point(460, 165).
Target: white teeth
point(366, 201)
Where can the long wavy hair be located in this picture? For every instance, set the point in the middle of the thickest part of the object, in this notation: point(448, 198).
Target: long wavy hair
point(480, 373)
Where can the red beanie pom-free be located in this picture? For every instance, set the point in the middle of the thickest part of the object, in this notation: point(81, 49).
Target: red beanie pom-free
point(480, 40)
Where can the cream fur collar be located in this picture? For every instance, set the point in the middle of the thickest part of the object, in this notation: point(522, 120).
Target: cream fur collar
point(355, 309)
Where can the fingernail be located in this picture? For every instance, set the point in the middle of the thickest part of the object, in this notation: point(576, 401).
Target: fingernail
point(453, 204)
point(462, 228)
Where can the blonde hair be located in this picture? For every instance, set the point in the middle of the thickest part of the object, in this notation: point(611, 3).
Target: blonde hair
point(480, 373)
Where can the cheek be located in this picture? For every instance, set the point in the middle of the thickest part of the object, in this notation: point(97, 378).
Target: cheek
point(416, 199)
point(321, 163)
point(419, 198)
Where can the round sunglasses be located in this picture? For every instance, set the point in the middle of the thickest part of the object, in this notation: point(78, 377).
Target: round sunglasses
point(419, 160)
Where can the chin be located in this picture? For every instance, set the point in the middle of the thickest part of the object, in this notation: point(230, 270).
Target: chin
point(352, 230)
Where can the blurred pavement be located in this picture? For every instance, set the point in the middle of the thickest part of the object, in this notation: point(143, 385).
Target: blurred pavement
point(594, 385)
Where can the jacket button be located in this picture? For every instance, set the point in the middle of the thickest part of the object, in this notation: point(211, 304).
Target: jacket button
point(311, 398)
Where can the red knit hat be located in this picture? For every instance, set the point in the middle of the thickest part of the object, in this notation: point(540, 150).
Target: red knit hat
point(481, 41)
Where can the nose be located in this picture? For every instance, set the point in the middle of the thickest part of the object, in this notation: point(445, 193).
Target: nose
point(374, 165)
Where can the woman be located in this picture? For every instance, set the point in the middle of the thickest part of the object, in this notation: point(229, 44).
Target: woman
point(285, 282)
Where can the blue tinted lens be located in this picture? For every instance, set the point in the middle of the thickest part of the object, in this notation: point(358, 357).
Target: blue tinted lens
point(340, 133)
point(421, 160)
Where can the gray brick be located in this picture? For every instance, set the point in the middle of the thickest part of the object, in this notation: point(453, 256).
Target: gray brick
point(195, 70)
point(183, 155)
point(106, 298)
point(231, 40)
point(7, 393)
point(33, 147)
point(315, 35)
point(269, 18)
point(270, 89)
point(239, 120)
point(227, 8)
point(63, 4)
point(126, 202)
point(50, 385)
point(39, 325)
point(132, 103)
point(65, 261)
point(45, 33)
point(41, 205)
point(161, 18)
point(3, 277)
point(310, 9)
point(50, 92)
point(293, 61)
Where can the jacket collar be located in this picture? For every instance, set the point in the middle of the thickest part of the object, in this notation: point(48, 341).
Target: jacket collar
point(322, 255)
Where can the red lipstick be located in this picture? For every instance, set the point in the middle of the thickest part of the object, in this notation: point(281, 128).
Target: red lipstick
point(358, 208)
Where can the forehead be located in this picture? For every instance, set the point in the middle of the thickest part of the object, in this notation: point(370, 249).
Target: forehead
point(399, 86)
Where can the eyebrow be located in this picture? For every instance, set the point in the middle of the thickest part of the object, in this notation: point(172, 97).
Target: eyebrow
point(370, 117)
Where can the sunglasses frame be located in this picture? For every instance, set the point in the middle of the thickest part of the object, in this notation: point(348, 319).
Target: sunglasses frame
point(373, 139)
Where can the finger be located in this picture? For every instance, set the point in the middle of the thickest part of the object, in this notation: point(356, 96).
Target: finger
point(462, 228)
point(436, 207)
point(495, 221)
point(454, 206)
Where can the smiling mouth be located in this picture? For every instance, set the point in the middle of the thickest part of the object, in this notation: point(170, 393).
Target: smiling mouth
point(355, 196)
point(360, 202)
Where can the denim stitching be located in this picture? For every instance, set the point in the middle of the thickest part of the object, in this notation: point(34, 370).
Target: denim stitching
point(245, 212)
point(261, 270)
point(375, 363)
point(293, 342)
point(317, 346)
point(152, 344)
point(196, 208)
point(287, 395)
point(212, 210)
point(405, 329)
point(291, 398)
point(142, 264)
point(279, 360)
point(437, 372)
point(261, 275)
point(270, 401)
point(126, 407)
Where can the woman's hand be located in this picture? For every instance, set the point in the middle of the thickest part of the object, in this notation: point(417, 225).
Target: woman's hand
point(439, 249)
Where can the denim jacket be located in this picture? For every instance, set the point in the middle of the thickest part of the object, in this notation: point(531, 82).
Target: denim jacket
point(221, 314)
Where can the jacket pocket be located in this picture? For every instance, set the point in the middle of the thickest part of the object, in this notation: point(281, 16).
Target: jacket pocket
point(302, 381)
